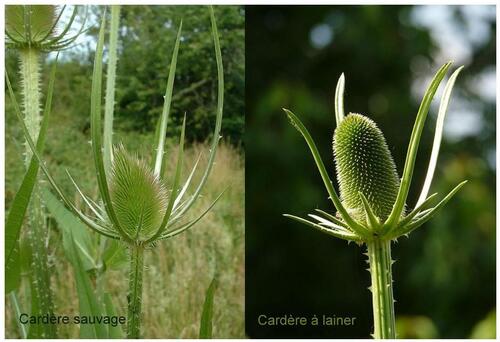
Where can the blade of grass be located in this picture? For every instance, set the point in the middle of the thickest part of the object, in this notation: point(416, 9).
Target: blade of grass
point(113, 332)
point(208, 311)
point(18, 311)
point(87, 299)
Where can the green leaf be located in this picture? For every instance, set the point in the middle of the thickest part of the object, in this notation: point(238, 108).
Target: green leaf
point(332, 218)
point(168, 234)
point(13, 269)
point(160, 148)
point(420, 220)
point(87, 298)
point(18, 311)
point(413, 148)
point(208, 311)
point(417, 210)
point(113, 332)
point(110, 88)
point(443, 106)
point(115, 254)
point(339, 99)
point(186, 184)
point(21, 200)
point(71, 228)
point(178, 170)
point(334, 232)
point(356, 227)
point(372, 219)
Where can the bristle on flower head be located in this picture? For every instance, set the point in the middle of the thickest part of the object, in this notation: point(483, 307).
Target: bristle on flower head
point(364, 164)
point(138, 196)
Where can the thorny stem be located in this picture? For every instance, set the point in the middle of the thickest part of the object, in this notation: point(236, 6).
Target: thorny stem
point(379, 256)
point(41, 294)
point(30, 83)
point(135, 291)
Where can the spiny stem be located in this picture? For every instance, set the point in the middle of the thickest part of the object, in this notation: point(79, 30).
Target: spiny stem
point(135, 291)
point(30, 87)
point(40, 276)
point(379, 255)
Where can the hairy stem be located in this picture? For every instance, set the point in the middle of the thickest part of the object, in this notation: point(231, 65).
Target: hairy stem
point(30, 88)
point(135, 291)
point(379, 255)
point(41, 294)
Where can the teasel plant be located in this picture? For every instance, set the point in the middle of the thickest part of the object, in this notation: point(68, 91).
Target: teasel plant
point(32, 31)
point(137, 206)
point(371, 209)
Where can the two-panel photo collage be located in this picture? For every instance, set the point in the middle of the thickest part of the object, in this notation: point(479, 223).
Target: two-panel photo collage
point(287, 171)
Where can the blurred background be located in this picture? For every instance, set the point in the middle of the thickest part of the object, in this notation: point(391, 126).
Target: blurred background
point(445, 272)
point(179, 270)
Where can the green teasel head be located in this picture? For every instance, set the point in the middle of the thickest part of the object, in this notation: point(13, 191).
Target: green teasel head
point(372, 202)
point(364, 164)
point(37, 27)
point(138, 195)
point(136, 206)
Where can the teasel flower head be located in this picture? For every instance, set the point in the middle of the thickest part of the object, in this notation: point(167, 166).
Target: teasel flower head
point(37, 27)
point(138, 195)
point(372, 202)
point(136, 206)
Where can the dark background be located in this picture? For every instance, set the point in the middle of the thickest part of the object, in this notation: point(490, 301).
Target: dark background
point(445, 272)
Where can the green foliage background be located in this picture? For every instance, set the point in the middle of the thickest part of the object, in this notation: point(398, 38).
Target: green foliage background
point(445, 272)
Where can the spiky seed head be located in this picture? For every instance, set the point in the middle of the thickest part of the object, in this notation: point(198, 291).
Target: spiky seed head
point(364, 164)
point(138, 196)
point(30, 24)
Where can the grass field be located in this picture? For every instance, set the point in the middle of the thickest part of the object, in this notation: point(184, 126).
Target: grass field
point(179, 270)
